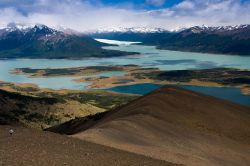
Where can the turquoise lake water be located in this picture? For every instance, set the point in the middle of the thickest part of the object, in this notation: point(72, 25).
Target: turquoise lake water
point(150, 57)
point(231, 94)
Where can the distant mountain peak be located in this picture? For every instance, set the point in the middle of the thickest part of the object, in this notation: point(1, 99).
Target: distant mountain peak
point(128, 29)
point(26, 27)
point(194, 29)
point(41, 41)
point(203, 28)
point(40, 28)
point(16, 26)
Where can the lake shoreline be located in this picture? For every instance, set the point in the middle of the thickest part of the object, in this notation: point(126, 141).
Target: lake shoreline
point(134, 74)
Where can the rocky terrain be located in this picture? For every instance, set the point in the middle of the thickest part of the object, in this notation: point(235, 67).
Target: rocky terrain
point(31, 147)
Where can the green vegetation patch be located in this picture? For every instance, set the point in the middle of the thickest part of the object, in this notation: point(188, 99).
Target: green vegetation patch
point(101, 99)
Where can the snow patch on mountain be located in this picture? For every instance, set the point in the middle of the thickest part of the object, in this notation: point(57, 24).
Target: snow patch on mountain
point(198, 29)
point(132, 29)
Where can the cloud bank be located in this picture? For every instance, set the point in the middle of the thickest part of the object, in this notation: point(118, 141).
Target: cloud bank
point(82, 15)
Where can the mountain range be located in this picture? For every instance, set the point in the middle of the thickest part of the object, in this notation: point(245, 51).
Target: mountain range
point(233, 40)
point(40, 41)
point(155, 29)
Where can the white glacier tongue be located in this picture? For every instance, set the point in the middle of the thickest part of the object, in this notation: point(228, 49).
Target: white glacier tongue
point(116, 42)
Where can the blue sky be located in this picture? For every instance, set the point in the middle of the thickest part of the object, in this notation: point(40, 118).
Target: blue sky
point(143, 4)
point(85, 15)
point(146, 4)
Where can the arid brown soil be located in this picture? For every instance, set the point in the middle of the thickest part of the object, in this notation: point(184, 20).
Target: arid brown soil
point(178, 126)
point(28, 147)
point(246, 90)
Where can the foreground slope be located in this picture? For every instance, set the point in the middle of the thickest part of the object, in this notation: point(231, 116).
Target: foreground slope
point(32, 147)
point(175, 125)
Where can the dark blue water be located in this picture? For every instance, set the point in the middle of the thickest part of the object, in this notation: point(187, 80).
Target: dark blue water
point(140, 89)
point(227, 93)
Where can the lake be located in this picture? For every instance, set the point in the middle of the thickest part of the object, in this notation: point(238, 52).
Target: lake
point(150, 57)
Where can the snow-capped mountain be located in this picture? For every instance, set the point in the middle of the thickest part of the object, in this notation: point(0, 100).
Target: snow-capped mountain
point(125, 30)
point(37, 30)
point(195, 29)
point(198, 29)
point(22, 39)
point(41, 41)
point(24, 28)
point(221, 39)
point(239, 31)
point(16, 26)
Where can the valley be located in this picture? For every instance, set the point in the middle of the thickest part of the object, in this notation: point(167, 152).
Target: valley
point(102, 99)
point(125, 83)
point(153, 66)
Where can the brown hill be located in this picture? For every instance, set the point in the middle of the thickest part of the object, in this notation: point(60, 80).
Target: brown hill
point(175, 125)
point(29, 147)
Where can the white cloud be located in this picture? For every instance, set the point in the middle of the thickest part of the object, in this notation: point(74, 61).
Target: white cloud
point(81, 15)
point(185, 5)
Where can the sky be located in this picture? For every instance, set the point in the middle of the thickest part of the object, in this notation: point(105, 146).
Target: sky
point(83, 15)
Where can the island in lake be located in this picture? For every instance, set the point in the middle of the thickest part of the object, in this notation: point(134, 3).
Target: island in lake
point(134, 74)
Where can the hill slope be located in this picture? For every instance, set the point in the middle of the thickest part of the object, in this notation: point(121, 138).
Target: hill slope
point(31, 147)
point(175, 125)
point(37, 112)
